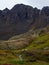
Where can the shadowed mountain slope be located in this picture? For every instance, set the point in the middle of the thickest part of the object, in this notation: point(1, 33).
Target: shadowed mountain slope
point(22, 18)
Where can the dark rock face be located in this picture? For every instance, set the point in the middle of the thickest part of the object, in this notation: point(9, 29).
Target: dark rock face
point(22, 18)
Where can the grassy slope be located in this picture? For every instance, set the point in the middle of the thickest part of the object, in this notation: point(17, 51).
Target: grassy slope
point(41, 42)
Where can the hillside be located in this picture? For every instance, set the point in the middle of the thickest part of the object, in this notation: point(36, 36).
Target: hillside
point(20, 19)
point(24, 35)
point(36, 53)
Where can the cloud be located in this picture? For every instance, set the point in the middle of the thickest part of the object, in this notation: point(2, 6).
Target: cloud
point(10, 3)
point(35, 3)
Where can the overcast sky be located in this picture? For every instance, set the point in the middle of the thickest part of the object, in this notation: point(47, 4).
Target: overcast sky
point(35, 3)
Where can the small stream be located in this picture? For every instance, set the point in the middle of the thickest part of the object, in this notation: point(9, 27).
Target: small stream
point(20, 57)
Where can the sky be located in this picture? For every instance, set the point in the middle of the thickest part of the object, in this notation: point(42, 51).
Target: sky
point(35, 3)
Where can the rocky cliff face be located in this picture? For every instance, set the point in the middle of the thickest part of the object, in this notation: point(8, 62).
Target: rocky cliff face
point(22, 18)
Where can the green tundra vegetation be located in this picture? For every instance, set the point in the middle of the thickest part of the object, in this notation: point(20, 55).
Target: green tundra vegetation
point(35, 53)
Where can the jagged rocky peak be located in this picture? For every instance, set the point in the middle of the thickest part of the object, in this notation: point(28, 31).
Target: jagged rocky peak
point(22, 18)
point(6, 9)
point(45, 10)
point(21, 6)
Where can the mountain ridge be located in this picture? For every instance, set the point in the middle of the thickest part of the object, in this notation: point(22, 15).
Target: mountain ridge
point(22, 18)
